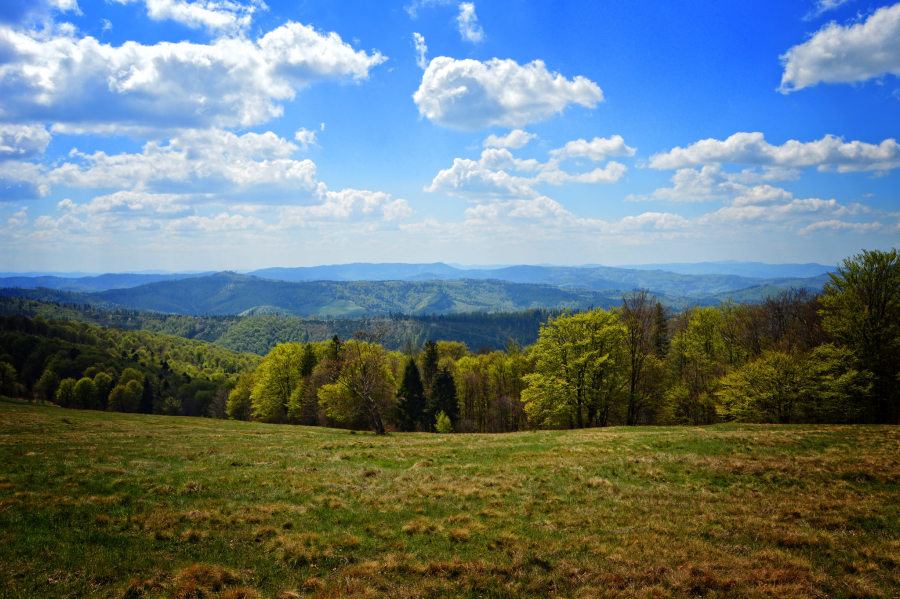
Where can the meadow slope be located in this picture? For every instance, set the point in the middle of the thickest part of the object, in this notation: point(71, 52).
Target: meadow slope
point(118, 505)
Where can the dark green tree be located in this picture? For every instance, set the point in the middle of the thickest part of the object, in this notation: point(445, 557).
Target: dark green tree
point(443, 397)
point(430, 359)
point(411, 398)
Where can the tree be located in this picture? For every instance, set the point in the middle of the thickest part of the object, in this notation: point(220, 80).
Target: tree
point(580, 371)
point(46, 386)
point(430, 358)
point(861, 310)
point(125, 398)
point(238, 405)
point(65, 393)
point(104, 384)
point(86, 394)
point(7, 379)
point(275, 379)
point(365, 384)
point(638, 315)
point(442, 423)
point(696, 361)
point(443, 396)
point(411, 398)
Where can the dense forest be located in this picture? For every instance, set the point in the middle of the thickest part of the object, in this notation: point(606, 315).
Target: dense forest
point(796, 357)
point(258, 334)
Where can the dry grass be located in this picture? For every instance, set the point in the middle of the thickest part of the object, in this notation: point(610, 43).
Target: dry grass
point(129, 506)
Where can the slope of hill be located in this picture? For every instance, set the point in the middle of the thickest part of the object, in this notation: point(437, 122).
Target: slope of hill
point(91, 283)
point(230, 293)
point(260, 333)
point(759, 270)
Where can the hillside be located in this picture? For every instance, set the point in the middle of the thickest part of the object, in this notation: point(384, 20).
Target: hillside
point(158, 506)
point(260, 333)
point(230, 293)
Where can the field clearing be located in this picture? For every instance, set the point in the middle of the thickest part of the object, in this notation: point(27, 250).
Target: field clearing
point(97, 504)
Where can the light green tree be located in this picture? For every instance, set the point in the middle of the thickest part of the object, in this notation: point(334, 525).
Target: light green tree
point(238, 405)
point(580, 372)
point(277, 376)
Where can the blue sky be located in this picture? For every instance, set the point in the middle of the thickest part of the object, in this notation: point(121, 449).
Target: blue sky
point(240, 134)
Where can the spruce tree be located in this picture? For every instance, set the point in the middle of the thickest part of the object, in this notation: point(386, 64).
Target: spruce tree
point(411, 398)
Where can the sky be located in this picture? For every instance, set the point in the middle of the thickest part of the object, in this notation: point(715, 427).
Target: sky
point(239, 134)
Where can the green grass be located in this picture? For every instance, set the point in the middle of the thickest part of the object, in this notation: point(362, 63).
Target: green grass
point(117, 505)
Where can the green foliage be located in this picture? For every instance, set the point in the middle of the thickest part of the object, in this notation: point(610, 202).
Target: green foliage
point(86, 394)
point(861, 310)
point(65, 393)
point(364, 386)
point(579, 371)
point(442, 398)
point(7, 378)
point(126, 398)
point(411, 398)
point(275, 380)
point(45, 388)
point(239, 403)
point(442, 423)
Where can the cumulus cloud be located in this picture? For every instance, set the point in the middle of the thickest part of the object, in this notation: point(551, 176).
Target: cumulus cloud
point(597, 149)
point(131, 203)
point(216, 15)
point(421, 50)
point(469, 94)
point(305, 138)
point(467, 21)
point(515, 139)
point(344, 204)
point(22, 141)
point(827, 153)
point(499, 174)
point(213, 160)
point(845, 54)
point(231, 82)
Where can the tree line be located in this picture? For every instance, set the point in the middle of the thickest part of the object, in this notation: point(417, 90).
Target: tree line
point(797, 357)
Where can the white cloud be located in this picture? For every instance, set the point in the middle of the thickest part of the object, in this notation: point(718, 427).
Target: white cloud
point(494, 176)
point(840, 225)
point(827, 153)
point(230, 82)
point(823, 6)
point(225, 16)
point(131, 203)
point(467, 21)
point(472, 179)
point(212, 160)
point(845, 54)
point(22, 141)
point(421, 50)
point(468, 94)
point(597, 149)
point(305, 138)
point(515, 139)
point(343, 205)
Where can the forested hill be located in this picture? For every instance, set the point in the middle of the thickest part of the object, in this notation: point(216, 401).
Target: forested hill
point(260, 333)
point(230, 293)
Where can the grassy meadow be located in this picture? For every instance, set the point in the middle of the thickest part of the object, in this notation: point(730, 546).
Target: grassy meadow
point(97, 504)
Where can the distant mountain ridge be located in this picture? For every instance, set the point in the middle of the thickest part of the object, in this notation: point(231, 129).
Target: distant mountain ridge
point(435, 288)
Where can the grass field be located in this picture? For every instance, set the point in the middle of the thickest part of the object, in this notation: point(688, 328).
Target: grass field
point(115, 505)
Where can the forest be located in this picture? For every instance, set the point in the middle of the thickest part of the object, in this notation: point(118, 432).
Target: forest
point(797, 357)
